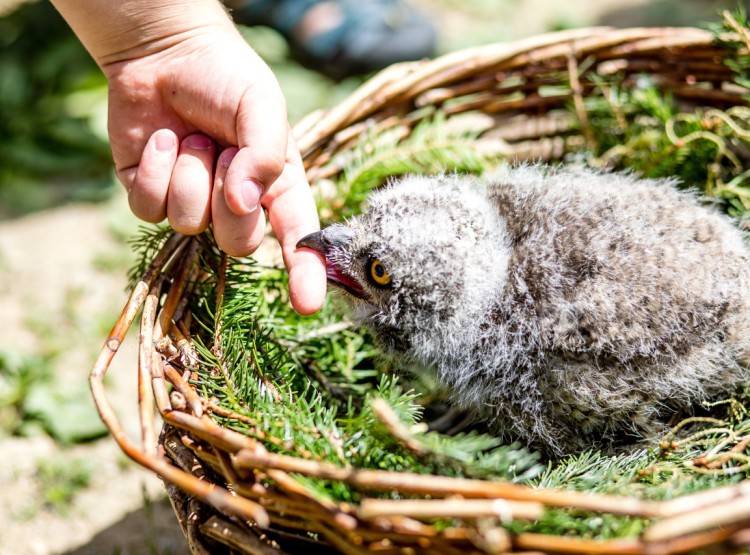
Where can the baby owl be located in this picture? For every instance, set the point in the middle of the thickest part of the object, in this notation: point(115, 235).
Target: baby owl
point(565, 307)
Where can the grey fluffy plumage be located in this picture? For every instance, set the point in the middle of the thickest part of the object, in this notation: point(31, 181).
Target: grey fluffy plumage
point(566, 307)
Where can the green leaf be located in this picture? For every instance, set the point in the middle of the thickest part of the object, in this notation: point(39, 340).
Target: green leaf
point(66, 410)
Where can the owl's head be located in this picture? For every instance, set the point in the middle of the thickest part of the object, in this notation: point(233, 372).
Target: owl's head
point(426, 256)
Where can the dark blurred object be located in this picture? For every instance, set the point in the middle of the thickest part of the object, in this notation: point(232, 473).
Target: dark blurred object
point(50, 153)
point(339, 38)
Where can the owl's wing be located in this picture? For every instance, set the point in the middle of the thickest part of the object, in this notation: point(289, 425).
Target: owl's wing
point(608, 264)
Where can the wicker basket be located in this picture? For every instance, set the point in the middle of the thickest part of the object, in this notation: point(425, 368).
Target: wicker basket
point(212, 473)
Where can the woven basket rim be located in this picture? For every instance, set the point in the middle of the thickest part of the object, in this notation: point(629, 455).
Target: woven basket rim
point(392, 95)
point(410, 79)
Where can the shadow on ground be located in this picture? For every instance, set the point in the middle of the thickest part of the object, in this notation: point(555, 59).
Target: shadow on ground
point(151, 530)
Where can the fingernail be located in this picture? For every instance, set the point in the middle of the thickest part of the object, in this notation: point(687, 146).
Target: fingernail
point(226, 157)
point(198, 142)
point(165, 142)
point(251, 192)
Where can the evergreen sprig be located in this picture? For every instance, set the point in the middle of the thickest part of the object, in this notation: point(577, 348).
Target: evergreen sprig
point(647, 132)
point(430, 147)
point(644, 130)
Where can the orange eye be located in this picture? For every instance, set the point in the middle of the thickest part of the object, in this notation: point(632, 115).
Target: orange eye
point(379, 274)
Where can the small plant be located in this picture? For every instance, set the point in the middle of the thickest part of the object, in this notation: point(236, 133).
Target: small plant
point(60, 480)
point(32, 401)
point(19, 375)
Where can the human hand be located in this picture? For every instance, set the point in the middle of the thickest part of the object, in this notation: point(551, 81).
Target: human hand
point(173, 111)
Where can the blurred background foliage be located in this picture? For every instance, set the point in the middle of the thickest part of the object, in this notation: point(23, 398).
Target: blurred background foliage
point(52, 115)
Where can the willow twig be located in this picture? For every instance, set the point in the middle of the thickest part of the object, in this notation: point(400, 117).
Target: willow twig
point(739, 448)
point(385, 414)
point(735, 25)
point(577, 91)
point(506, 511)
point(440, 486)
point(145, 370)
point(193, 399)
point(288, 484)
point(239, 539)
point(724, 514)
point(176, 290)
point(547, 543)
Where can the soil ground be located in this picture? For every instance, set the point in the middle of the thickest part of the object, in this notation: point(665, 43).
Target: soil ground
point(63, 271)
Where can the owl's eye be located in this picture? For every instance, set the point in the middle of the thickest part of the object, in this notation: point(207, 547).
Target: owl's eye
point(378, 274)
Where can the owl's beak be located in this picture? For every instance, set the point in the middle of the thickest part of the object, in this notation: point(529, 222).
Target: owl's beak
point(323, 241)
point(334, 237)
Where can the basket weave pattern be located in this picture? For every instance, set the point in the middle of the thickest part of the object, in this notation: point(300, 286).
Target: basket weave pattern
point(216, 476)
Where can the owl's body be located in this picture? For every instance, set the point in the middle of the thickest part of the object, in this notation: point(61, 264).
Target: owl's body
point(569, 308)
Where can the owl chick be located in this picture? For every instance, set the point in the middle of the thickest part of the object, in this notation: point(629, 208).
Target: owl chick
point(568, 308)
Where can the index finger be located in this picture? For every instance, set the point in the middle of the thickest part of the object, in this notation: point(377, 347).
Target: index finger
point(292, 213)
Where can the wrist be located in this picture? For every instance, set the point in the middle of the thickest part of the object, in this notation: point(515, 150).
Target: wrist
point(117, 31)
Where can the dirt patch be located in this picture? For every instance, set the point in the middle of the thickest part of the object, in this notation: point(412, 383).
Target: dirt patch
point(49, 262)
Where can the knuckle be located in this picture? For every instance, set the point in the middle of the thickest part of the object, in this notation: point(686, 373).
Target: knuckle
point(269, 164)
